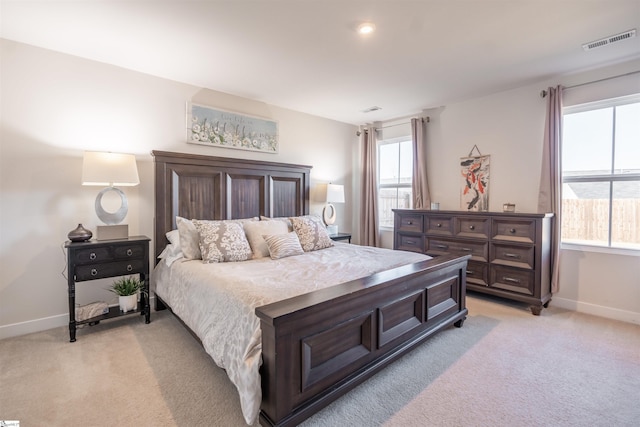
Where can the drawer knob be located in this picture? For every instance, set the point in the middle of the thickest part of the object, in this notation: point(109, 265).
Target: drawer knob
point(438, 225)
point(94, 272)
point(472, 227)
point(129, 252)
point(512, 230)
point(409, 222)
point(129, 267)
point(93, 256)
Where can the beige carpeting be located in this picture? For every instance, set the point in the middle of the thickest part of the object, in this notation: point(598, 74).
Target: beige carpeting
point(504, 367)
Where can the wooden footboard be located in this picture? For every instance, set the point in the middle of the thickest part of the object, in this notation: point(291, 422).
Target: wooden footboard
point(318, 346)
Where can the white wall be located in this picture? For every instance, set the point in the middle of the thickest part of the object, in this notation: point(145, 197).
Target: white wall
point(509, 126)
point(54, 107)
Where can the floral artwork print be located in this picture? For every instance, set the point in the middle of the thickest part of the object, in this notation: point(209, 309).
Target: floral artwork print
point(474, 195)
point(208, 126)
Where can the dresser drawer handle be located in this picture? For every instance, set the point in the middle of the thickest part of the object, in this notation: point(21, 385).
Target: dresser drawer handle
point(466, 249)
point(509, 279)
point(410, 242)
point(470, 272)
point(94, 272)
point(512, 230)
point(129, 252)
point(93, 256)
point(442, 246)
point(129, 267)
point(438, 225)
point(516, 256)
point(472, 227)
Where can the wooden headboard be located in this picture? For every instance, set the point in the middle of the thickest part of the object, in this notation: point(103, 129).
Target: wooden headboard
point(207, 187)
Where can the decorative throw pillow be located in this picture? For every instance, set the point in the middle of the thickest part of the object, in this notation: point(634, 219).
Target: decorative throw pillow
point(222, 241)
point(284, 219)
point(311, 232)
point(283, 245)
point(189, 238)
point(256, 229)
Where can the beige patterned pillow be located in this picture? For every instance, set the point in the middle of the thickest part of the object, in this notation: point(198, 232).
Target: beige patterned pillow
point(283, 245)
point(189, 238)
point(311, 232)
point(256, 229)
point(222, 241)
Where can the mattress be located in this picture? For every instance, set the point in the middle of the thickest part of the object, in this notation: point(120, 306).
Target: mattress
point(217, 301)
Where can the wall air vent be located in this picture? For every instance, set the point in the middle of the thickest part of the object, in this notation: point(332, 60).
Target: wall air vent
point(608, 40)
point(371, 109)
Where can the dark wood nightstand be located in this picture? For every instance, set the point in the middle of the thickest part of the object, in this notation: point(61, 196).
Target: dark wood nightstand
point(340, 236)
point(107, 258)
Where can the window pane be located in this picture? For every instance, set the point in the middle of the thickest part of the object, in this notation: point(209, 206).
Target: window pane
point(586, 142)
point(388, 160)
point(625, 219)
point(406, 162)
point(627, 139)
point(387, 200)
point(585, 213)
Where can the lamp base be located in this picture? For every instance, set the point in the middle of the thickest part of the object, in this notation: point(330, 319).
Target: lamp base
point(112, 232)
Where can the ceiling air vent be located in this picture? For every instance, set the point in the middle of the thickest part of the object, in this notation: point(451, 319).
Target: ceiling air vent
point(608, 40)
point(371, 109)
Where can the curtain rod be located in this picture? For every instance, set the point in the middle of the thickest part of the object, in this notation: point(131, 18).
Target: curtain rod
point(543, 93)
point(424, 119)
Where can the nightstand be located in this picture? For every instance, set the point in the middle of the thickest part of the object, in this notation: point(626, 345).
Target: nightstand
point(107, 258)
point(340, 236)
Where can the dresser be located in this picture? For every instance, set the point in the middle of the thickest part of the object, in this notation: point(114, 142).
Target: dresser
point(108, 258)
point(510, 252)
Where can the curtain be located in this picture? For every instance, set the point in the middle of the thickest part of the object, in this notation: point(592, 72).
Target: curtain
point(369, 224)
point(420, 187)
point(550, 196)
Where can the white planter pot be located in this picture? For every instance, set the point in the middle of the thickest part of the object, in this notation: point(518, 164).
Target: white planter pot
point(128, 303)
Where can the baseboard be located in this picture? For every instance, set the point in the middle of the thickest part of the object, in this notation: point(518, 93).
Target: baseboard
point(597, 310)
point(37, 325)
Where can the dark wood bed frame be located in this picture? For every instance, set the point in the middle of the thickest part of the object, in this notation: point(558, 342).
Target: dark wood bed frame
point(317, 346)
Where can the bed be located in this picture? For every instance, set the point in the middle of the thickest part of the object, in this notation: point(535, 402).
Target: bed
point(323, 333)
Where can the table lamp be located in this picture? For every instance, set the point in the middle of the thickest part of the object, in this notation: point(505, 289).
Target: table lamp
point(335, 194)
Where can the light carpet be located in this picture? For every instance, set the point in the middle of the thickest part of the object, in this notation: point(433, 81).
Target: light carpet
point(504, 367)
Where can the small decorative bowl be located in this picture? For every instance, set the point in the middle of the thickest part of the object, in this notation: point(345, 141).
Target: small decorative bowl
point(509, 207)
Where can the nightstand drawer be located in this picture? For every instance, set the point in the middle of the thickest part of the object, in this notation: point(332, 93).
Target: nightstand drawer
point(129, 251)
point(109, 269)
point(513, 255)
point(93, 255)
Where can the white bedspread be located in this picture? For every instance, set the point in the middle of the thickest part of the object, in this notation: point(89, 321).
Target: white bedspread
point(217, 301)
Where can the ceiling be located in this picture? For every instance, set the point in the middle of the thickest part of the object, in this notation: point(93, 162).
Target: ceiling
point(306, 55)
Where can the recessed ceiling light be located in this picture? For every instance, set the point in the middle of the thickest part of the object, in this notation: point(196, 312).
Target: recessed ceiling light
point(366, 28)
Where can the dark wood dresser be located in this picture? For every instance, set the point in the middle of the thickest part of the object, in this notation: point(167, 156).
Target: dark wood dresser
point(510, 252)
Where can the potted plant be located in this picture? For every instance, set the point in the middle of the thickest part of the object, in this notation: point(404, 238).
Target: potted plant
point(127, 289)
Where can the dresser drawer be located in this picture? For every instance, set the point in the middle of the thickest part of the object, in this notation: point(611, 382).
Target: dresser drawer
point(478, 273)
point(513, 255)
point(479, 251)
point(407, 242)
point(514, 230)
point(410, 222)
point(440, 225)
point(109, 269)
point(476, 227)
point(512, 279)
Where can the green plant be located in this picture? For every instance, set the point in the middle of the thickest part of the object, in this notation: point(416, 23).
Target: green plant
point(126, 286)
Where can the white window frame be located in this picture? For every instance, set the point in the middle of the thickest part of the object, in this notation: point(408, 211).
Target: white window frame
point(610, 178)
point(398, 185)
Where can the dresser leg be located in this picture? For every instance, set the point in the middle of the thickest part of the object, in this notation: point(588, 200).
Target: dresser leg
point(536, 309)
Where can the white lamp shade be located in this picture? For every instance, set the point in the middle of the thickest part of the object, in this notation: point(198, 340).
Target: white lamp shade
point(335, 193)
point(109, 169)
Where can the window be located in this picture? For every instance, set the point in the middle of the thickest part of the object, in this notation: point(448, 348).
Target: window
point(395, 177)
point(601, 174)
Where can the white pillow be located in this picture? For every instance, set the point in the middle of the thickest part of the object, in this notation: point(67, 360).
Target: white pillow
point(283, 245)
point(170, 254)
point(284, 219)
point(256, 229)
point(189, 238)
